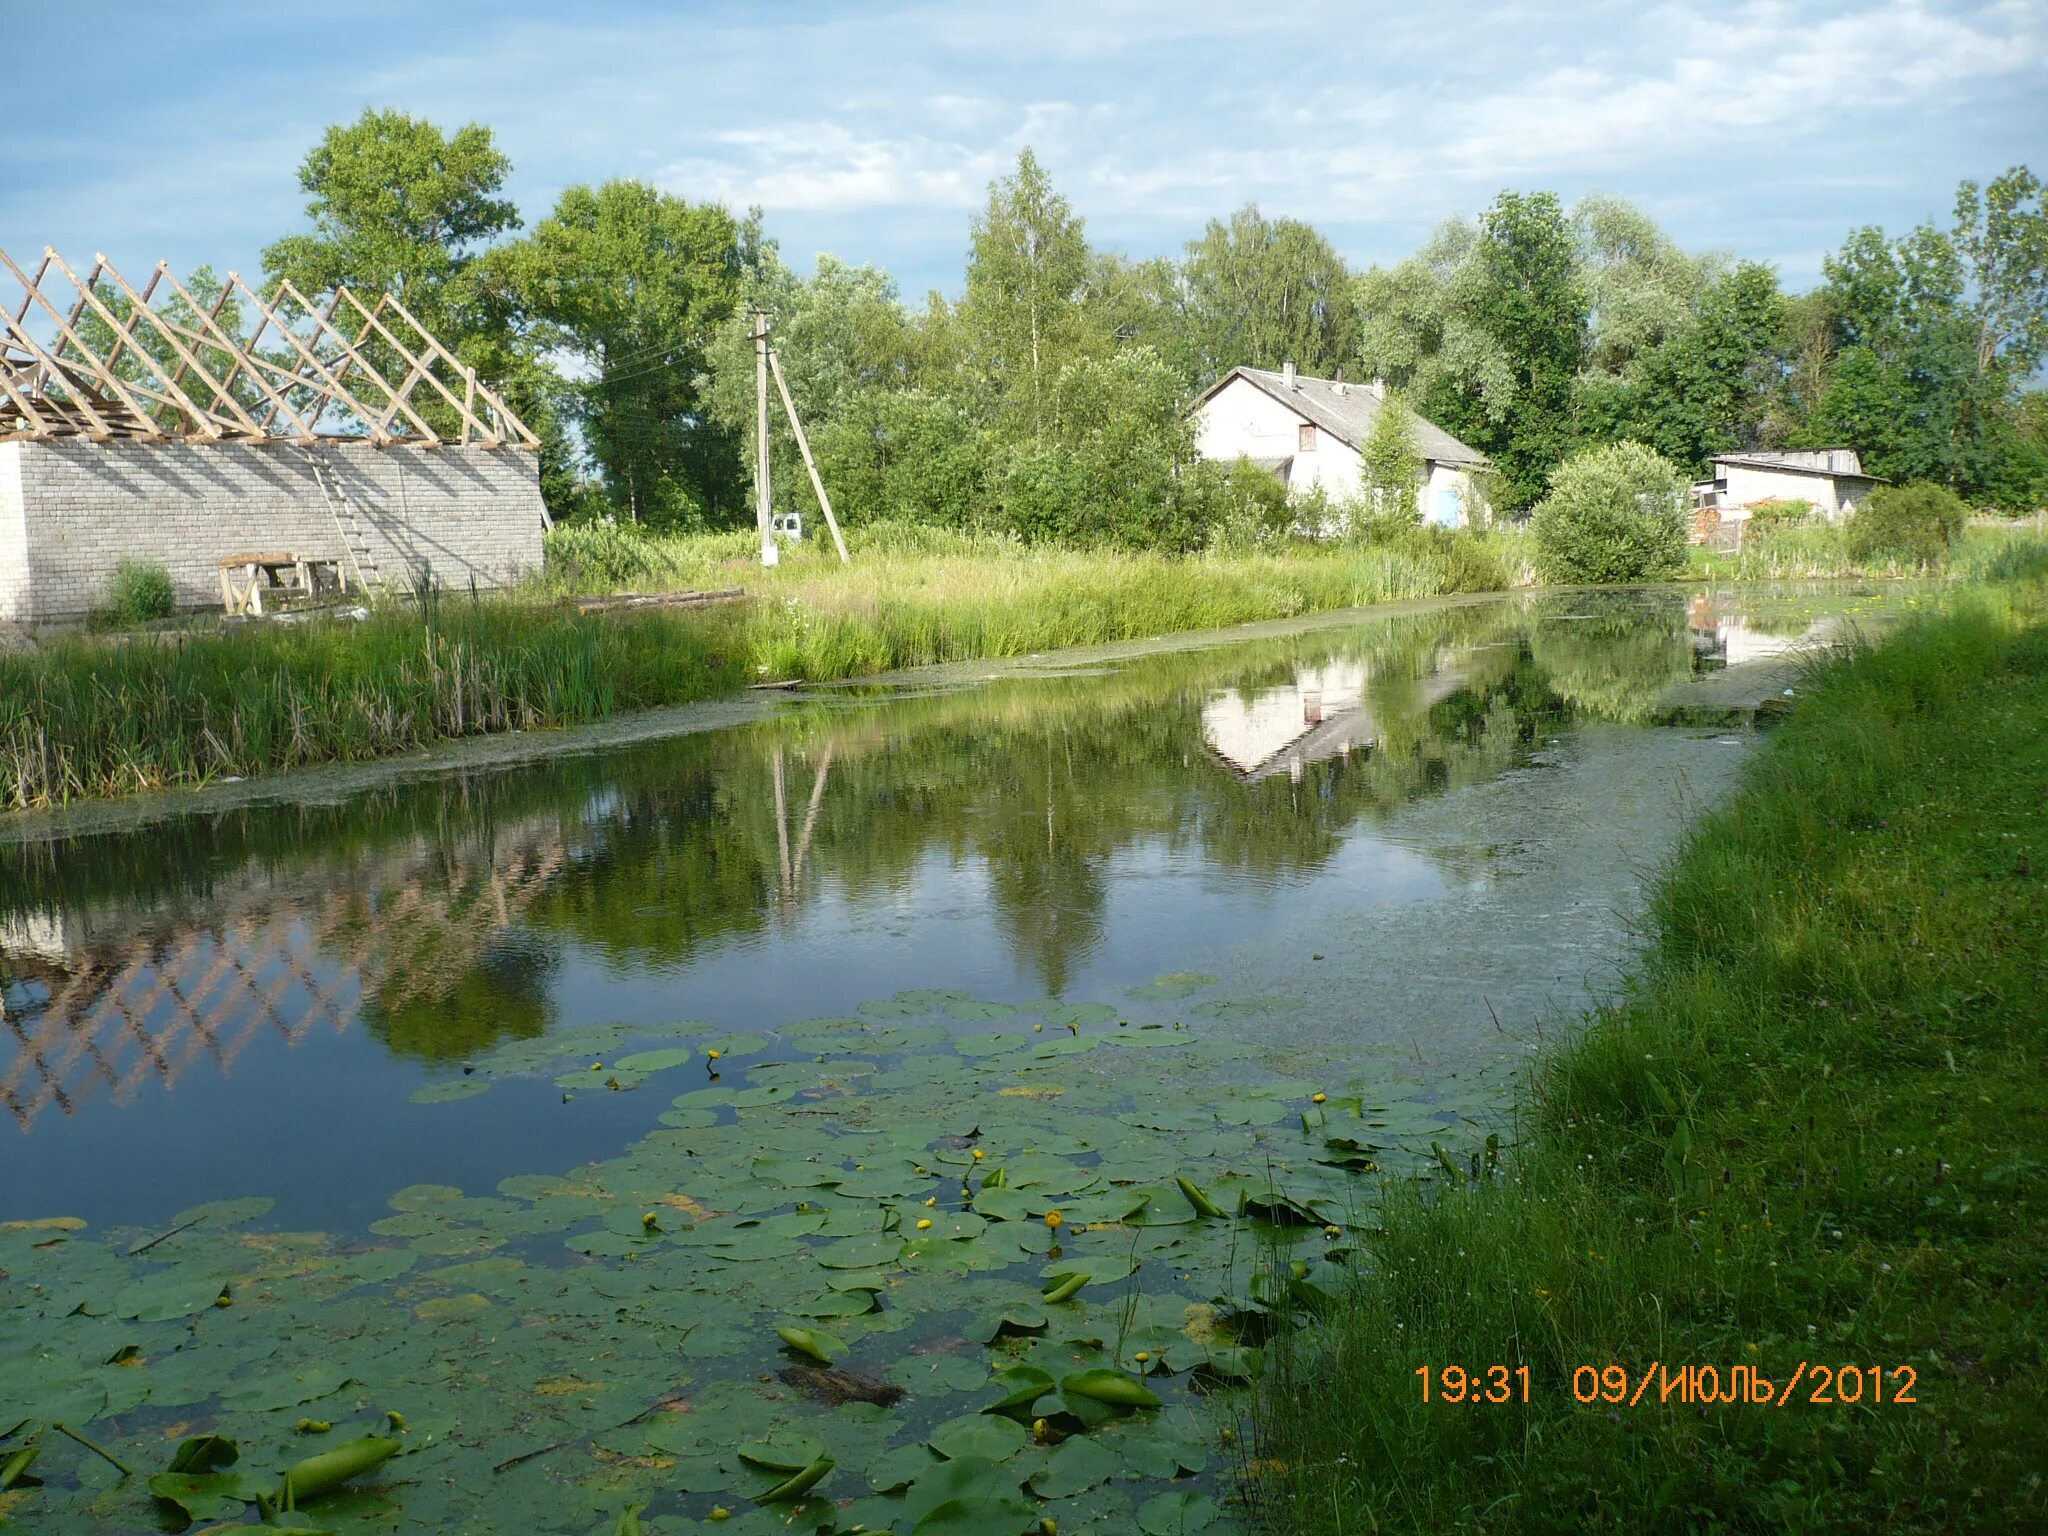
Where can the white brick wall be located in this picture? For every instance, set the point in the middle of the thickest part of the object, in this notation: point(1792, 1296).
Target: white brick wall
point(13, 534)
point(79, 507)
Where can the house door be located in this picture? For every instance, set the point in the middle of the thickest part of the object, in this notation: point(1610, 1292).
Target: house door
point(1448, 511)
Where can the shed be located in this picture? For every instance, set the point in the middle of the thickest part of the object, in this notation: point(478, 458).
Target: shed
point(1831, 480)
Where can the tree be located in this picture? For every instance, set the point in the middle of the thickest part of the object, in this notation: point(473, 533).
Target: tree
point(1025, 312)
point(398, 207)
point(1144, 304)
point(1614, 513)
point(1262, 292)
point(2005, 242)
point(1642, 290)
point(1390, 467)
point(634, 282)
point(1414, 332)
point(1905, 388)
point(1486, 329)
point(845, 346)
point(1521, 288)
point(1705, 388)
point(1105, 470)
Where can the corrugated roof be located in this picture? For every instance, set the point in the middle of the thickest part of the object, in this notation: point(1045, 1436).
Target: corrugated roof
point(1801, 463)
point(1347, 411)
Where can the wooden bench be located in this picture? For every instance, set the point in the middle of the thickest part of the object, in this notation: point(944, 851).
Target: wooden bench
point(247, 578)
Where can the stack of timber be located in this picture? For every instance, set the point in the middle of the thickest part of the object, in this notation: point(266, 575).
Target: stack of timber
point(614, 602)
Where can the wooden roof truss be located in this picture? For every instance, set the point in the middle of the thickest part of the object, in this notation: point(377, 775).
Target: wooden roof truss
point(96, 357)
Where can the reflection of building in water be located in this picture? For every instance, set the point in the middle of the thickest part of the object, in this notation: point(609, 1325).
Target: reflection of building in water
point(1733, 639)
point(1320, 715)
point(105, 1001)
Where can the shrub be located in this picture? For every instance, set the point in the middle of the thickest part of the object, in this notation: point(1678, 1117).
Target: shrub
point(140, 591)
point(1615, 513)
point(1910, 523)
point(1244, 507)
point(1391, 471)
point(604, 554)
point(1775, 513)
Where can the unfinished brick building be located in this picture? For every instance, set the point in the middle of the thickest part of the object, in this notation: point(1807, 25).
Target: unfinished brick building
point(339, 438)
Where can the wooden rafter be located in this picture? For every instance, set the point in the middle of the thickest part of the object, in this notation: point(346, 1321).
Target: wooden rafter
point(88, 361)
point(202, 422)
point(150, 378)
point(210, 318)
point(187, 359)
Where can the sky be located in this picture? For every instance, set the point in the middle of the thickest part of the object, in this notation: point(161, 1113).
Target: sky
point(1769, 128)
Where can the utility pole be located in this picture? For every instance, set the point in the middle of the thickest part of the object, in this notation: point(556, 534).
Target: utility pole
point(765, 362)
point(804, 447)
point(763, 504)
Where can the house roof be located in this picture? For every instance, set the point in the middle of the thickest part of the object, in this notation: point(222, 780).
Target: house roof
point(1346, 411)
point(1825, 463)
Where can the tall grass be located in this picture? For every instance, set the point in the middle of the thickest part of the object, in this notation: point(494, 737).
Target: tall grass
point(85, 718)
point(1813, 1129)
point(1812, 549)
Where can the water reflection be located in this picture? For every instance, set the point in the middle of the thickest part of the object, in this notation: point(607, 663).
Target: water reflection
point(445, 915)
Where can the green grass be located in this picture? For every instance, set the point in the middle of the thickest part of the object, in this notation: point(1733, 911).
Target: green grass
point(1812, 1128)
point(1804, 550)
point(85, 718)
point(92, 717)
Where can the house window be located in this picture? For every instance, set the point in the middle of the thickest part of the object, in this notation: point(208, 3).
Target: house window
point(1307, 440)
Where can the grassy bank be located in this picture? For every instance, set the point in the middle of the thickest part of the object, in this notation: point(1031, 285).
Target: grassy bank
point(83, 717)
point(1813, 1129)
point(1816, 550)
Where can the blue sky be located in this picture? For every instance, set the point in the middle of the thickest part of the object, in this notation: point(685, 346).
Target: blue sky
point(1768, 128)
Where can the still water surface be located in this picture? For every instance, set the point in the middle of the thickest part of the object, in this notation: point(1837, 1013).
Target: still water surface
point(1424, 834)
point(998, 1038)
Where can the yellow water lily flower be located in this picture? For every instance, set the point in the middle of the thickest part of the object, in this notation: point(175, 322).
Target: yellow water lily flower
point(979, 1154)
point(1053, 1218)
point(714, 1053)
point(1320, 1098)
point(931, 1200)
point(924, 1224)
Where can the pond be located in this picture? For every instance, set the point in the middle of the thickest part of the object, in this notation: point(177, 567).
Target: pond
point(1025, 1043)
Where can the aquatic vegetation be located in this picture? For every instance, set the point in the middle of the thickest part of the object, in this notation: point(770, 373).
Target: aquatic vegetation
point(990, 1307)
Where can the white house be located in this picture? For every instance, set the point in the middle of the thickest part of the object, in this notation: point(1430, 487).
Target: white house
point(1830, 479)
point(1310, 432)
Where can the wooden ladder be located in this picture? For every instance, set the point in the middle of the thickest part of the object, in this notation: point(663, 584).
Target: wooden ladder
point(355, 539)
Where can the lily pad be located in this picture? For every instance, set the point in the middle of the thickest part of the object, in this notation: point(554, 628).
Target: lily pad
point(1076, 1466)
point(642, 1063)
point(978, 1434)
point(1179, 1513)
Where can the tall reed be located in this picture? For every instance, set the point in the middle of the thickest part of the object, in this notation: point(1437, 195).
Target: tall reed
point(88, 717)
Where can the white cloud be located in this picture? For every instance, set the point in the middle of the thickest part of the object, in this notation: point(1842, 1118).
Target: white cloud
point(1760, 70)
point(874, 131)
